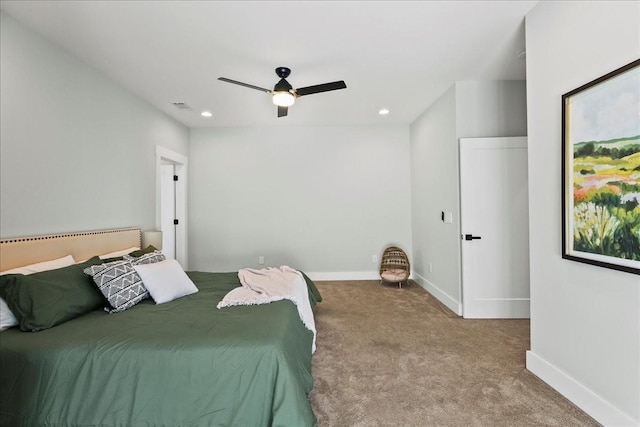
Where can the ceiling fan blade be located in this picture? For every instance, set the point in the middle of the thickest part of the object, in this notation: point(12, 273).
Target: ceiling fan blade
point(325, 87)
point(224, 79)
point(282, 111)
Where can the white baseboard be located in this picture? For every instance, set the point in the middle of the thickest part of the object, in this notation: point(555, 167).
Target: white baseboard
point(442, 296)
point(438, 293)
point(347, 275)
point(344, 275)
point(584, 398)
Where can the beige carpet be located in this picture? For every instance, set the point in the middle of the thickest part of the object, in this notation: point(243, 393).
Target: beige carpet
point(398, 357)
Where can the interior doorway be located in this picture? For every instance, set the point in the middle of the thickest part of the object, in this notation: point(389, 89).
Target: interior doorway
point(168, 208)
point(171, 190)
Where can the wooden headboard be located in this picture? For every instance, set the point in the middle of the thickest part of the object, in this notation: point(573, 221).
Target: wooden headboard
point(20, 251)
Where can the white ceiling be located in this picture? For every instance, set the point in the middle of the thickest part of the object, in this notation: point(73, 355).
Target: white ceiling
point(394, 54)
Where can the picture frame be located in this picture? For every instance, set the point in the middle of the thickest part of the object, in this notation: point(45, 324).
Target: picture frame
point(601, 171)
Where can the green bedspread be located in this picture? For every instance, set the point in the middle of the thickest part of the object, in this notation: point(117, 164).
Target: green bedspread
point(184, 363)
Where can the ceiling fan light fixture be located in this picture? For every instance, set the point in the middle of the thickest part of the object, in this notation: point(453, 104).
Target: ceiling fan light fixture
point(284, 95)
point(283, 98)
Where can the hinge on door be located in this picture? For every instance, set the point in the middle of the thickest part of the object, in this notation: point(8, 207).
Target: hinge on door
point(175, 222)
point(175, 177)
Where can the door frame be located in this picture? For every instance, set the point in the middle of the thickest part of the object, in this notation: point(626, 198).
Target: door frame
point(180, 162)
point(168, 208)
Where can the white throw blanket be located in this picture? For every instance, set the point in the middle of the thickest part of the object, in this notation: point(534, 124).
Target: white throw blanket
point(270, 285)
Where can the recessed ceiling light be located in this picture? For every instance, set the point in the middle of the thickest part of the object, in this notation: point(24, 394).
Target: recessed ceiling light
point(206, 114)
point(383, 111)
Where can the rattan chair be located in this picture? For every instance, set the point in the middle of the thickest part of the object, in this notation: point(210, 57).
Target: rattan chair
point(394, 266)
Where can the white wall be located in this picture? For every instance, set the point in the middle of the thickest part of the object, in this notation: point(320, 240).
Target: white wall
point(76, 150)
point(321, 199)
point(585, 320)
point(491, 108)
point(469, 109)
point(434, 188)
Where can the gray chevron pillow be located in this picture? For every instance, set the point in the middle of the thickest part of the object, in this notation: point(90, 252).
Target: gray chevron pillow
point(119, 283)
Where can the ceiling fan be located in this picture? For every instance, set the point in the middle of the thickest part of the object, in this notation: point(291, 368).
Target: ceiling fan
point(283, 94)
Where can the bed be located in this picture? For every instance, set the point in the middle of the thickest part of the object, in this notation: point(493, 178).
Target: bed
point(183, 363)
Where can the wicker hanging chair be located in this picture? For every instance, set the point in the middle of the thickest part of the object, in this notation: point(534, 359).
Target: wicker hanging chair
point(394, 266)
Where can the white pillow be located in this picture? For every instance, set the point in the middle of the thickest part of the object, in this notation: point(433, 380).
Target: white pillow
point(165, 280)
point(119, 253)
point(7, 318)
point(65, 261)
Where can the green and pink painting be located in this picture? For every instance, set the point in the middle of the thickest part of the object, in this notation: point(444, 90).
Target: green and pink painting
point(606, 197)
point(604, 183)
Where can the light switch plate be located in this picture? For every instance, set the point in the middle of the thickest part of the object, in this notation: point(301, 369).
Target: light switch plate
point(448, 218)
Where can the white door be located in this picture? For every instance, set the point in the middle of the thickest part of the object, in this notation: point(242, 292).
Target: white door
point(168, 210)
point(494, 223)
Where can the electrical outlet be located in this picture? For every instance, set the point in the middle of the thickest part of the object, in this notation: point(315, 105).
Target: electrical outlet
point(430, 268)
point(261, 260)
point(374, 258)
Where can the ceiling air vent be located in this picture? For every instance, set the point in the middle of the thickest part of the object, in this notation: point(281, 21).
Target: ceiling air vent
point(181, 106)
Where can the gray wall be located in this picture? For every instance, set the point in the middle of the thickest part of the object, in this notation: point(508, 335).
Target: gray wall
point(321, 199)
point(76, 150)
point(469, 109)
point(434, 188)
point(585, 320)
point(491, 108)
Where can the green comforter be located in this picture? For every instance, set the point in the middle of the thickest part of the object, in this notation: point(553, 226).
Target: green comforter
point(184, 363)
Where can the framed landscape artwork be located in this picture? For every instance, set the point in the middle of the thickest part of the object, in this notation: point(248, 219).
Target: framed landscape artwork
point(601, 171)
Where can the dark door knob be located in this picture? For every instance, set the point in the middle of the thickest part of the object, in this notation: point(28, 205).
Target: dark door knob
point(470, 237)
